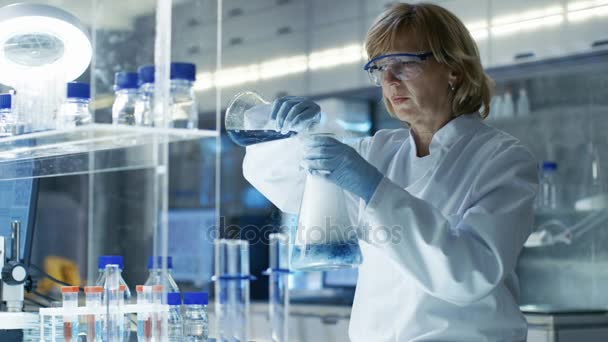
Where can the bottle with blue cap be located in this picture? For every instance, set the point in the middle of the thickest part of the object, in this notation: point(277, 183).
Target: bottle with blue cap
point(175, 323)
point(7, 117)
point(126, 95)
point(548, 191)
point(196, 319)
point(105, 260)
point(155, 277)
point(184, 109)
point(75, 110)
point(145, 101)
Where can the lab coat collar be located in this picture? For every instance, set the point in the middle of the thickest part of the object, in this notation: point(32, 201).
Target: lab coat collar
point(451, 132)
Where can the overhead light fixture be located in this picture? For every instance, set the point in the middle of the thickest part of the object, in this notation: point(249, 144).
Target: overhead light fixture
point(40, 41)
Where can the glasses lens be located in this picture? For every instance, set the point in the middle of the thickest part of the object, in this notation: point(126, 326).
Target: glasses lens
point(402, 68)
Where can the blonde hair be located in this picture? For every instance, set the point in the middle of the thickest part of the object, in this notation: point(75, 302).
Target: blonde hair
point(451, 43)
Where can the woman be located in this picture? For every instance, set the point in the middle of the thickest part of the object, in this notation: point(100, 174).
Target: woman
point(456, 193)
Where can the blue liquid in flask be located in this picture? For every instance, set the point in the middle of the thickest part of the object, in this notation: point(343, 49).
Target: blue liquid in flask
point(326, 256)
point(256, 136)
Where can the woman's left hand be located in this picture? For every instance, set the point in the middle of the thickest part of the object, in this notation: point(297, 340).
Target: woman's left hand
point(341, 164)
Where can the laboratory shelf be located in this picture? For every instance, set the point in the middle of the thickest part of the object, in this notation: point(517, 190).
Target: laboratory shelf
point(87, 149)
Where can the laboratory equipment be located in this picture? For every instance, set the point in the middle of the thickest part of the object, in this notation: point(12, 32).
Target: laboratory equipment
point(69, 296)
point(105, 260)
point(507, 107)
point(124, 324)
point(523, 103)
point(144, 319)
point(196, 320)
point(159, 319)
point(548, 193)
point(114, 318)
point(232, 289)
point(125, 87)
point(93, 301)
point(325, 239)
point(278, 286)
point(14, 273)
point(184, 108)
point(496, 106)
point(75, 110)
point(7, 117)
point(155, 277)
point(248, 120)
point(175, 322)
point(145, 101)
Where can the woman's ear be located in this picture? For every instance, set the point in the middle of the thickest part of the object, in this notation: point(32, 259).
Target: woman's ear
point(454, 78)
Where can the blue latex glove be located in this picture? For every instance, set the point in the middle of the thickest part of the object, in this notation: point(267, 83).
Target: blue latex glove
point(292, 112)
point(341, 164)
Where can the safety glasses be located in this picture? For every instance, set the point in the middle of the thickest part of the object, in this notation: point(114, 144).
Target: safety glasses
point(403, 66)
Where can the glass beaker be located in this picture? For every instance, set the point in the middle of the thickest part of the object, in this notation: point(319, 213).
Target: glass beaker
point(325, 238)
point(248, 120)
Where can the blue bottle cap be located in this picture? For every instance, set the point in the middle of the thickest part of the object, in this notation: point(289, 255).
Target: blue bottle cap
point(159, 262)
point(174, 298)
point(196, 298)
point(6, 101)
point(126, 80)
point(549, 165)
point(105, 260)
point(183, 71)
point(78, 90)
point(146, 74)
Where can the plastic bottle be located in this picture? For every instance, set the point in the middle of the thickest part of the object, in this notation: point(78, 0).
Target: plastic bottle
point(155, 277)
point(507, 109)
point(196, 320)
point(7, 118)
point(176, 323)
point(184, 109)
point(144, 319)
point(496, 106)
point(75, 110)
point(104, 260)
point(123, 110)
point(523, 104)
point(70, 319)
point(145, 101)
point(547, 195)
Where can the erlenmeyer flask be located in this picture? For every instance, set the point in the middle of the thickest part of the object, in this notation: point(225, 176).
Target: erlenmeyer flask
point(325, 238)
point(248, 120)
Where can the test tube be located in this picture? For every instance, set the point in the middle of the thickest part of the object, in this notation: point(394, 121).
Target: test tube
point(69, 295)
point(144, 321)
point(278, 284)
point(93, 301)
point(232, 289)
point(160, 330)
point(123, 323)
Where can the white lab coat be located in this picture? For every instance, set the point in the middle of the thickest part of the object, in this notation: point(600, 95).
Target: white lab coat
point(456, 222)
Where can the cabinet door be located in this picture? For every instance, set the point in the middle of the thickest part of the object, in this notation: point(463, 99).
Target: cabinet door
point(523, 30)
point(586, 26)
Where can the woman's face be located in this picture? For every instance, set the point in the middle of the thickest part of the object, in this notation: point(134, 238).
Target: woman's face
point(425, 98)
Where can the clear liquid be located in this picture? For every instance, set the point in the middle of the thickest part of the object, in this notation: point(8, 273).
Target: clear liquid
point(326, 256)
point(251, 137)
point(196, 324)
point(175, 325)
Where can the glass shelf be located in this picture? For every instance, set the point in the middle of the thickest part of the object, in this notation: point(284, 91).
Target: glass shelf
point(84, 149)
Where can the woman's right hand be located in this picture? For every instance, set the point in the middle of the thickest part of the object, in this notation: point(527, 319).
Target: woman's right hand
point(291, 112)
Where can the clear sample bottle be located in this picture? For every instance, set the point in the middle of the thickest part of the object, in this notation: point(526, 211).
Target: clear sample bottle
point(523, 103)
point(156, 273)
point(548, 191)
point(7, 117)
point(75, 109)
point(196, 320)
point(175, 322)
point(105, 260)
point(144, 106)
point(184, 108)
point(126, 96)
